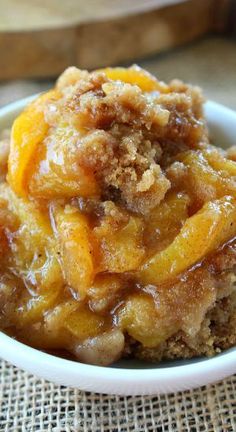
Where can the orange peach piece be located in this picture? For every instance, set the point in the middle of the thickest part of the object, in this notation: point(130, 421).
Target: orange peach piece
point(202, 233)
point(34, 250)
point(122, 249)
point(165, 221)
point(139, 317)
point(28, 131)
point(84, 323)
point(28, 213)
point(33, 309)
point(61, 176)
point(220, 163)
point(137, 76)
point(205, 179)
point(76, 251)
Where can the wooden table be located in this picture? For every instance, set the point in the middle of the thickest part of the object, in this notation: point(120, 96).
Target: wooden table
point(209, 62)
point(40, 38)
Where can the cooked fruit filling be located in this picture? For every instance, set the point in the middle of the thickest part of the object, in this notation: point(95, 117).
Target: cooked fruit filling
point(117, 221)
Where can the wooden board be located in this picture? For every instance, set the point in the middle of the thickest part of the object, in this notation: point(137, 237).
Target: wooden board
point(40, 38)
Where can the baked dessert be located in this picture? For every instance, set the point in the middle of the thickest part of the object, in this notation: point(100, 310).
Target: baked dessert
point(117, 221)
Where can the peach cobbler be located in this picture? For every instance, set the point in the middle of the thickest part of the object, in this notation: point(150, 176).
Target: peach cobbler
point(117, 221)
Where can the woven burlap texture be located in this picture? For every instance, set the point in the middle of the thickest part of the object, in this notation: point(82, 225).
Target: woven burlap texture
point(31, 404)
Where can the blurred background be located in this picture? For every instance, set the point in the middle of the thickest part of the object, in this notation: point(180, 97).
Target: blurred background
point(194, 40)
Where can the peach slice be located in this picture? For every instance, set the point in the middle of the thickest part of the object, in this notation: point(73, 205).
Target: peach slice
point(202, 233)
point(136, 76)
point(76, 251)
point(28, 131)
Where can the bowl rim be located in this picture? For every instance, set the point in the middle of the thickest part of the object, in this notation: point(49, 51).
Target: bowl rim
point(165, 377)
point(10, 348)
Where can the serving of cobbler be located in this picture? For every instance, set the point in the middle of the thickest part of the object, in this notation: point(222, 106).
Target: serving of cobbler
point(117, 222)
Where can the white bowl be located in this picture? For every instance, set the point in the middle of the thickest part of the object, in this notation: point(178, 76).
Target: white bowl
point(128, 377)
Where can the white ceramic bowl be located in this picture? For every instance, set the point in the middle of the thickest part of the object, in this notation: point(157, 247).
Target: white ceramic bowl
point(128, 377)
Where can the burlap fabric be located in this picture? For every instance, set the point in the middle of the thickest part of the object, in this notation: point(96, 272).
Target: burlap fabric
point(31, 404)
